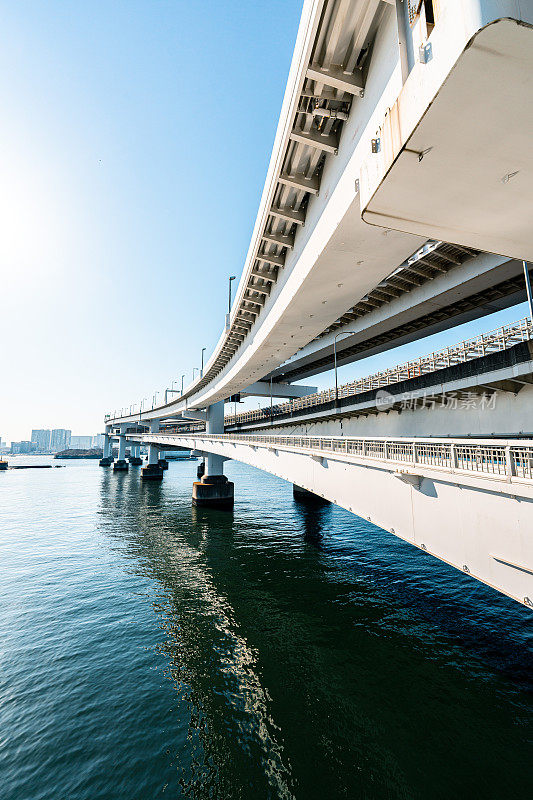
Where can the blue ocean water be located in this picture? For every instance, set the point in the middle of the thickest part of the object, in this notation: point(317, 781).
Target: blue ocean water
point(149, 649)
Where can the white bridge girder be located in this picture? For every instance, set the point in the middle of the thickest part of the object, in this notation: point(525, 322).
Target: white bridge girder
point(478, 522)
point(266, 389)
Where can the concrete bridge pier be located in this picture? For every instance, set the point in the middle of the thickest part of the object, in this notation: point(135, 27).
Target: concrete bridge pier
point(121, 465)
point(135, 455)
point(213, 490)
point(152, 471)
point(163, 463)
point(305, 496)
point(107, 455)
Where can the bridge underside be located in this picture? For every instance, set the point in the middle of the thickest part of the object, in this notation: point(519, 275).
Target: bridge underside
point(488, 396)
point(480, 524)
point(468, 183)
point(422, 299)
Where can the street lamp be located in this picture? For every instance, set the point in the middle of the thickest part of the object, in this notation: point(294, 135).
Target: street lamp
point(170, 390)
point(528, 288)
point(182, 377)
point(342, 333)
point(193, 371)
point(202, 367)
point(231, 278)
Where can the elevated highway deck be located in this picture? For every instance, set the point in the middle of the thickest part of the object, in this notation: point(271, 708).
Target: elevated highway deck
point(467, 503)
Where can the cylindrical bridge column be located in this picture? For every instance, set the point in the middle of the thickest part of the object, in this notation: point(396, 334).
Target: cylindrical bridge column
point(214, 490)
point(107, 454)
point(135, 455)
point(121, 465)
point(152, 471)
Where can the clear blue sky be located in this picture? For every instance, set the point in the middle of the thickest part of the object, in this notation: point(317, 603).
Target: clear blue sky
point(135, 142)
point(135, 137)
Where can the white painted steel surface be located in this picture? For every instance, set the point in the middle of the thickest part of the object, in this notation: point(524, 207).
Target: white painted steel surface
point(455, 160)
point(468, 503)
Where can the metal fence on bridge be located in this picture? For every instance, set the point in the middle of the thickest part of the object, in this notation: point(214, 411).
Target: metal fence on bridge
point(504, 458)
point(500, 339)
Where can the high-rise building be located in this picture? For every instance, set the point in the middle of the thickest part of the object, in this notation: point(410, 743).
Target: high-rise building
point(22, 447)
point(80, 442)
point(98, 440)
point(41, 440)
point(60, 440)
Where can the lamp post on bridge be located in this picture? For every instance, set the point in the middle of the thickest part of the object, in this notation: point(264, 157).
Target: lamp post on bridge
point(202, 367)
point(193, 369)
point(231, 278)
point(182, 377)
point(170, 390)
point(228, 315)
point(337, 336)
point(528, 288)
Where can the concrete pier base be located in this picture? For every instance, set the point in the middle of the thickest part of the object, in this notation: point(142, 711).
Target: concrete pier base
point(213, 491)
point(3, 465)
point(152, 472)
point(305, 496)
point(163, 463)
point(120, 466)
point(135, 461)
point(106, 461)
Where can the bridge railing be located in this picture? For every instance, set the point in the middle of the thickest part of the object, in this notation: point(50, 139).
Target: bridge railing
point(505, 458)
point(499, 339)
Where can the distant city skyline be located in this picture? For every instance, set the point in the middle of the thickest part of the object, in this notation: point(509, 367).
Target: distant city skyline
point(45, 440)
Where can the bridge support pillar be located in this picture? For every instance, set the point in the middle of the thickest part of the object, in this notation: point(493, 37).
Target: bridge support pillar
point(163, 463)
point(214, 490)
point(135, 455)
point(107, 455)
point(121, 465)
point(305, 496)
point(152, 471)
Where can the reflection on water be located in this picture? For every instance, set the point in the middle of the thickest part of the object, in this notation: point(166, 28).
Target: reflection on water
point(282, 650)
point(315, 519)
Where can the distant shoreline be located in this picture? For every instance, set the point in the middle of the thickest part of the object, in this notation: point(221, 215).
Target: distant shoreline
point(92, 453)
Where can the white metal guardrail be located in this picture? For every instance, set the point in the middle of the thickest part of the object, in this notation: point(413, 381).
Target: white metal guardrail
point(502, 458)
point(500, 339)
